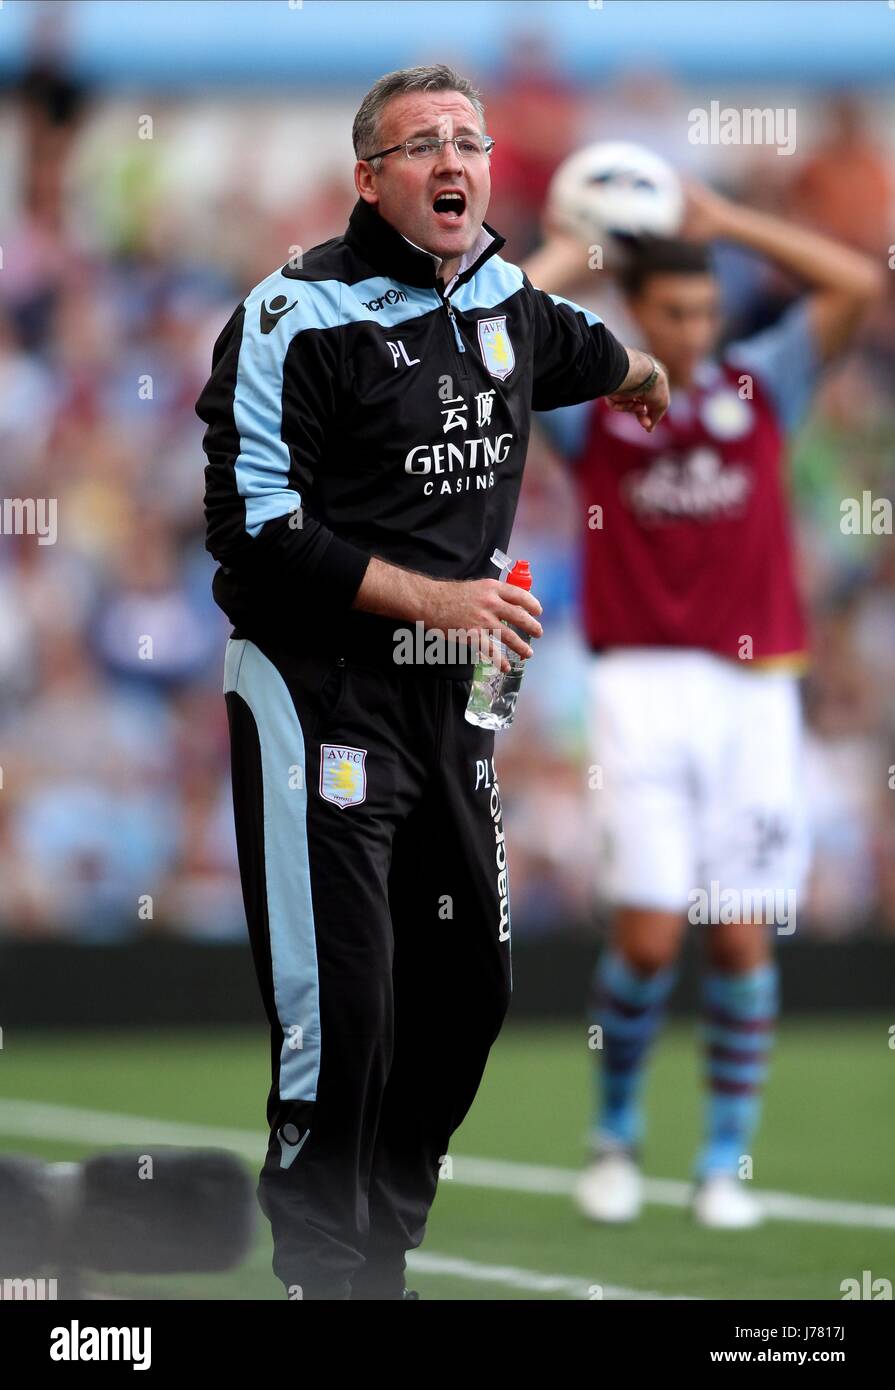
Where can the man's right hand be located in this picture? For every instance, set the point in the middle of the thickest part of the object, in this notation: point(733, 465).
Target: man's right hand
point(482, 607)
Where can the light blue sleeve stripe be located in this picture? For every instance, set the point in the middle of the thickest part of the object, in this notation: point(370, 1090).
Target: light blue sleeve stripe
point(262, 467)
point(287, 874)
point(592, 319)
point(784, 357)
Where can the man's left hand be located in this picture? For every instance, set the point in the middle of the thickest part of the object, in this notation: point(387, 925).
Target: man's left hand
point(648, 406)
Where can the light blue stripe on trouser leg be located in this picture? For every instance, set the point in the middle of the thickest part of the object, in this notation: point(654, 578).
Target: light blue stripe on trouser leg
point(287, 875)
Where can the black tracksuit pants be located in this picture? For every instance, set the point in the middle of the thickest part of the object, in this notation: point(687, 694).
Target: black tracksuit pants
point(373, 867)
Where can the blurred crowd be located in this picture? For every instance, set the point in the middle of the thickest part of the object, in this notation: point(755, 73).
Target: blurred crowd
point(123, 254)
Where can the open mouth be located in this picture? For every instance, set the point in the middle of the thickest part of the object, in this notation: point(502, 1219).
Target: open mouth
point(450, 206)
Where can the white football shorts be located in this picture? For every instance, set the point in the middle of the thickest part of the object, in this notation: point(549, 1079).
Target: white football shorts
point(695, 777)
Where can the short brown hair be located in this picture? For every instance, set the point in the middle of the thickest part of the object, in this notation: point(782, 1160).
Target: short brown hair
point(436, 78)
point(662, 256)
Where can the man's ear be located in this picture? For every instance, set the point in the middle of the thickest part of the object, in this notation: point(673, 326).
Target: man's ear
point(365, 182)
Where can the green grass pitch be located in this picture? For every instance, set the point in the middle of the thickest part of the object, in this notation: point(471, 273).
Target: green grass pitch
point(827, 1133)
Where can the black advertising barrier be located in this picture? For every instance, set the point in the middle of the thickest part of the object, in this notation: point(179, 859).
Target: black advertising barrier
point(177, 982)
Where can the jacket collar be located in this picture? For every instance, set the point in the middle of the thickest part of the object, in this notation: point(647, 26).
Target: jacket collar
point(391, 254)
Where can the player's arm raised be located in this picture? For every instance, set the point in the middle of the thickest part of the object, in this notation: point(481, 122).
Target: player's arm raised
point(577, 359)
point(844, 283)
point(561, 262)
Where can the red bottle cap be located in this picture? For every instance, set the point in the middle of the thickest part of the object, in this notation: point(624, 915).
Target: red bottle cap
point(520, 575)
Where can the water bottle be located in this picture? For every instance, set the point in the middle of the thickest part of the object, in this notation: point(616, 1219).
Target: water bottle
point(492, 699)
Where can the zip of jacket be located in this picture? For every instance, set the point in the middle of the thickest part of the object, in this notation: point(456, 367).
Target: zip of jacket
point(329, 438)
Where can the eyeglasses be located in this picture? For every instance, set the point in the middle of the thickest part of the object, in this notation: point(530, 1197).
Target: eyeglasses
point(426, 147)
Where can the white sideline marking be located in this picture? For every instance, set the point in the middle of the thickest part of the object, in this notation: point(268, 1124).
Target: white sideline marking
point(32, 1119)
point(35, 1119)
point(427, 1262)
point(668, 1192)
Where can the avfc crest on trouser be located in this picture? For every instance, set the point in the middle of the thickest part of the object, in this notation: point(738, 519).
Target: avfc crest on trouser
point(497, 350)
point(343, 774)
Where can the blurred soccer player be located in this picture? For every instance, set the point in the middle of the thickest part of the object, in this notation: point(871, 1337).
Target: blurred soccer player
point(691, 610)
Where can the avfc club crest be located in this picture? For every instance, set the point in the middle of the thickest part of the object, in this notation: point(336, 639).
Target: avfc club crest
point(497, 350)
point(343, 774)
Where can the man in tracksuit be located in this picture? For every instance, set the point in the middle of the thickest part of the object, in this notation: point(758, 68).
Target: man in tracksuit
point(368, 415)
